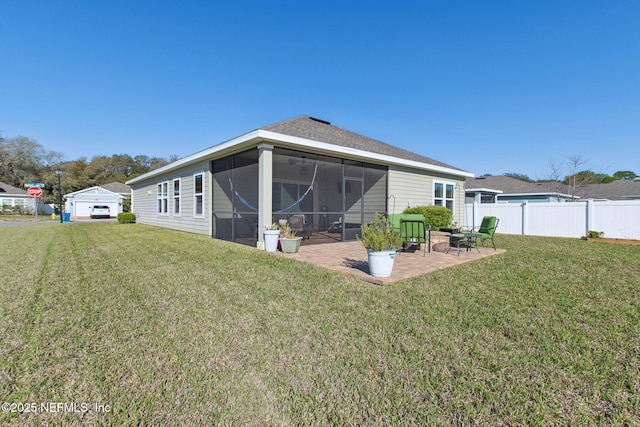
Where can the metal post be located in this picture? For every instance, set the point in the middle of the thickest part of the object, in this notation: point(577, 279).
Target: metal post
point(59, 173)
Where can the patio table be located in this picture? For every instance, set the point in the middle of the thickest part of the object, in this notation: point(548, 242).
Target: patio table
point(459, 237)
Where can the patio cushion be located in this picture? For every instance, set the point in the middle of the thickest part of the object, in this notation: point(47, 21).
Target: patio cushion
point(409, 231)
point(487, 229)
point(488, 226)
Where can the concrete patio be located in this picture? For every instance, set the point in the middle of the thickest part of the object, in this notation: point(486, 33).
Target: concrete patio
point(351, 258)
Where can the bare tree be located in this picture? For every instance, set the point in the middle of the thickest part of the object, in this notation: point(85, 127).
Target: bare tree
point(556, 175)
point(571, 176)
point(577, 164)
point(22, 160)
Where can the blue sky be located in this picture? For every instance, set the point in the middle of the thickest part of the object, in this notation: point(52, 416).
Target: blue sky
point(486, 86)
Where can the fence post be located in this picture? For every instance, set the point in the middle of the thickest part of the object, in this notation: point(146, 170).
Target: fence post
point(525, 210)
point(473, 217)
point(590, 216)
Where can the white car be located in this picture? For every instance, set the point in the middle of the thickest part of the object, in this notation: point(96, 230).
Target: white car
point(100, 211)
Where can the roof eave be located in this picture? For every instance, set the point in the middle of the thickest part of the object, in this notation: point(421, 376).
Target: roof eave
point(91, 188)
point(258, 135)
point(328, 148)
point(483, 190)
point(231, 145)
point(569, 196)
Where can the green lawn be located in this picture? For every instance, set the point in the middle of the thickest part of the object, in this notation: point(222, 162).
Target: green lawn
point(167, 328)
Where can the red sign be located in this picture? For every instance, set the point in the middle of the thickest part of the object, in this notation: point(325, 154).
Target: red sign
point(34, 191)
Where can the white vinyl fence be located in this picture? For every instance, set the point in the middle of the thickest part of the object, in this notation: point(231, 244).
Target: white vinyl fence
point(617, 219)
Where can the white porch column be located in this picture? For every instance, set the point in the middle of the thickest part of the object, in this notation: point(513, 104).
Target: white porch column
point(265, 190)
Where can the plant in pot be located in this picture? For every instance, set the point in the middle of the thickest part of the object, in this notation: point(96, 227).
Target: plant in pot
point(381, 242)
point(289, 242)
point(271, 235)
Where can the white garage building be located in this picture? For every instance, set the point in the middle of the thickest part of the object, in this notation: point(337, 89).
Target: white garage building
point(79, 203)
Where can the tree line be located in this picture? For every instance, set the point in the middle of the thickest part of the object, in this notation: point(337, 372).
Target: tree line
point(23, 160)
point(575, 171)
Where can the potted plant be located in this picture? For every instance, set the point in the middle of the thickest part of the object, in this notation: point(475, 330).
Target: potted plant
point(381, 242)
point(289, 242)
point(271, 235)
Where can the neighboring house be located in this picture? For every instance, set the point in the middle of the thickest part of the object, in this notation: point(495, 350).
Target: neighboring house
point(627, 189)
point(336, 178)
point(14, 199)
point(497, 189)
point(79, 203)
point(505, 189)
point(118, 188)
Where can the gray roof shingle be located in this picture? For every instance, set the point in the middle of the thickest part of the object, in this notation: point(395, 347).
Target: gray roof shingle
point(616, 190)
point(323, 131)
point(117, 187)
point(10, 189)
point(509, 185)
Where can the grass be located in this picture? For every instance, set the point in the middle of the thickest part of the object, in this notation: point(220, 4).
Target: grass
point(168, 328)
point(28, 218)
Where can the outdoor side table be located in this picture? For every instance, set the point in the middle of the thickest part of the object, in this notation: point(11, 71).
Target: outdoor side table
point(461, 237)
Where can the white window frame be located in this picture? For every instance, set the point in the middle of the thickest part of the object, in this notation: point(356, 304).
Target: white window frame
point(162, 207)
point(176, 198)
point(196, 195)
point(442, 201)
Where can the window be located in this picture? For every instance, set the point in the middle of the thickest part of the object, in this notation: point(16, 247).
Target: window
point(487, 198)
point(162, 197)
point(443, 195)
point(176, 196)
point(198, 206)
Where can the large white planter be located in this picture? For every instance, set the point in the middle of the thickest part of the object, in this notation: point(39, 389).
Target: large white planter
point(271, 240)
point(381, 262)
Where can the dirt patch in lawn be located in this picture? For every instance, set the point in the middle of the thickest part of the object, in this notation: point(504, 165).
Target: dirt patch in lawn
point(618, 241)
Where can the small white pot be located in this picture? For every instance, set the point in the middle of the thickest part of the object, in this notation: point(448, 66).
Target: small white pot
point(381, 262)
point(271, 240)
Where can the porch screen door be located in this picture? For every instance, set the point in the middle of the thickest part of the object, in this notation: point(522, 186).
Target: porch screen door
point(352, 208)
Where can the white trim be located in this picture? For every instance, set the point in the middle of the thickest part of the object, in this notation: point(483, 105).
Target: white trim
point(92, 188)
point(200, 155)
point(550, 193)
point(162, 196)
point(178, 197)
point(296, 142)
point(444, 197)
point(198, 215)
point(360, 154)
point(483, 190)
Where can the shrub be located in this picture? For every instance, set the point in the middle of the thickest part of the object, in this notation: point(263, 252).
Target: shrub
point(379, 235)
point(437, 216)
point(126, 218)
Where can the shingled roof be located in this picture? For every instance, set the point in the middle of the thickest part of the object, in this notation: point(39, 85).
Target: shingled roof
point(616, 190)
point(509, 185)
point(308, 133)
point(10, 189)
point(117, 187)
point(323, 131)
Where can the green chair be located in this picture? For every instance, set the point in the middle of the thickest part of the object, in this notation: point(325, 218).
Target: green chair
point(487, 230)
point(413, 228)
